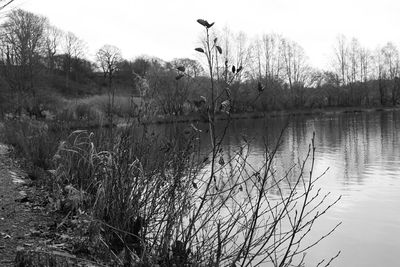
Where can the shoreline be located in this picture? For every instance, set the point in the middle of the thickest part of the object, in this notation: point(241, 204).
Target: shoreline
point(122, 122)
point(126, 121)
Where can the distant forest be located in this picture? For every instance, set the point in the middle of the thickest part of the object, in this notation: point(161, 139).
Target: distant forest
point(44, 68)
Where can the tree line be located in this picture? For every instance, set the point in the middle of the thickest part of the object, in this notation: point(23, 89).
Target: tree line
point(37, 58)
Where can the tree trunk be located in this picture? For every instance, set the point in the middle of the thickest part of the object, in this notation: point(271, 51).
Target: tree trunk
point(381, 92)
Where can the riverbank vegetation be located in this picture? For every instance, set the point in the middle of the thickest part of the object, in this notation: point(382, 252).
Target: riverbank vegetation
point(45, 72)
point(164, 199)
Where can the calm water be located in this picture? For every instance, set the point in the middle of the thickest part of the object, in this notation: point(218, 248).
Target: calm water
point(362, 152)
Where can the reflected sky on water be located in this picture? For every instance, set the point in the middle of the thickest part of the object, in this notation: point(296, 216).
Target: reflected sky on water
point(362, 152)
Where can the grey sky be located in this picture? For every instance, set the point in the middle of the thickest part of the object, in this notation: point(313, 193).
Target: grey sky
point(168, 29)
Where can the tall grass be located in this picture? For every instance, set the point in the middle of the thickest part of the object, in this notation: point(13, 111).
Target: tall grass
point(130, 184)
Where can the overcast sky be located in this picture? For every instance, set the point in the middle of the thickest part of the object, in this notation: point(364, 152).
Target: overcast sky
point(168, 28)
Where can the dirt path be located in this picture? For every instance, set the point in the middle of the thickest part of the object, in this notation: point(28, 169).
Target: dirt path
point(23, 221)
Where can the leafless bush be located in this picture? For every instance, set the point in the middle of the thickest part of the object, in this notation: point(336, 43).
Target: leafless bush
point(166, 203)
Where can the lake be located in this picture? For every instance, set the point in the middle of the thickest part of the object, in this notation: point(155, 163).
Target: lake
point(362, 152)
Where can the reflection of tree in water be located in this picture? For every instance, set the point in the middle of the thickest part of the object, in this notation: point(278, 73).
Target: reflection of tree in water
point(349, 144)
point(359, 141)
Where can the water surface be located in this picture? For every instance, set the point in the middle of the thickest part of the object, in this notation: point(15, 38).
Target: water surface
point(362, 152)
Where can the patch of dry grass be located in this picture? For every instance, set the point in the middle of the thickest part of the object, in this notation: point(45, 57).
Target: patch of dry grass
point(95, 108)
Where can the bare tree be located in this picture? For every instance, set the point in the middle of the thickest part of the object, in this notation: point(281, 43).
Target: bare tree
point(294, 62)
point(296, 69)
point(380, 74)
point(108, 58)
point(341, 53)
point(52, 44)
point(354, 52)
point(234, 53)
point(267, 67)
point(352, 63)
point(272, 61)
point(22, 43)
point(241, 53)
point(365, 58)
point(391, 61)
point(74, 48)
point(268, 57)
